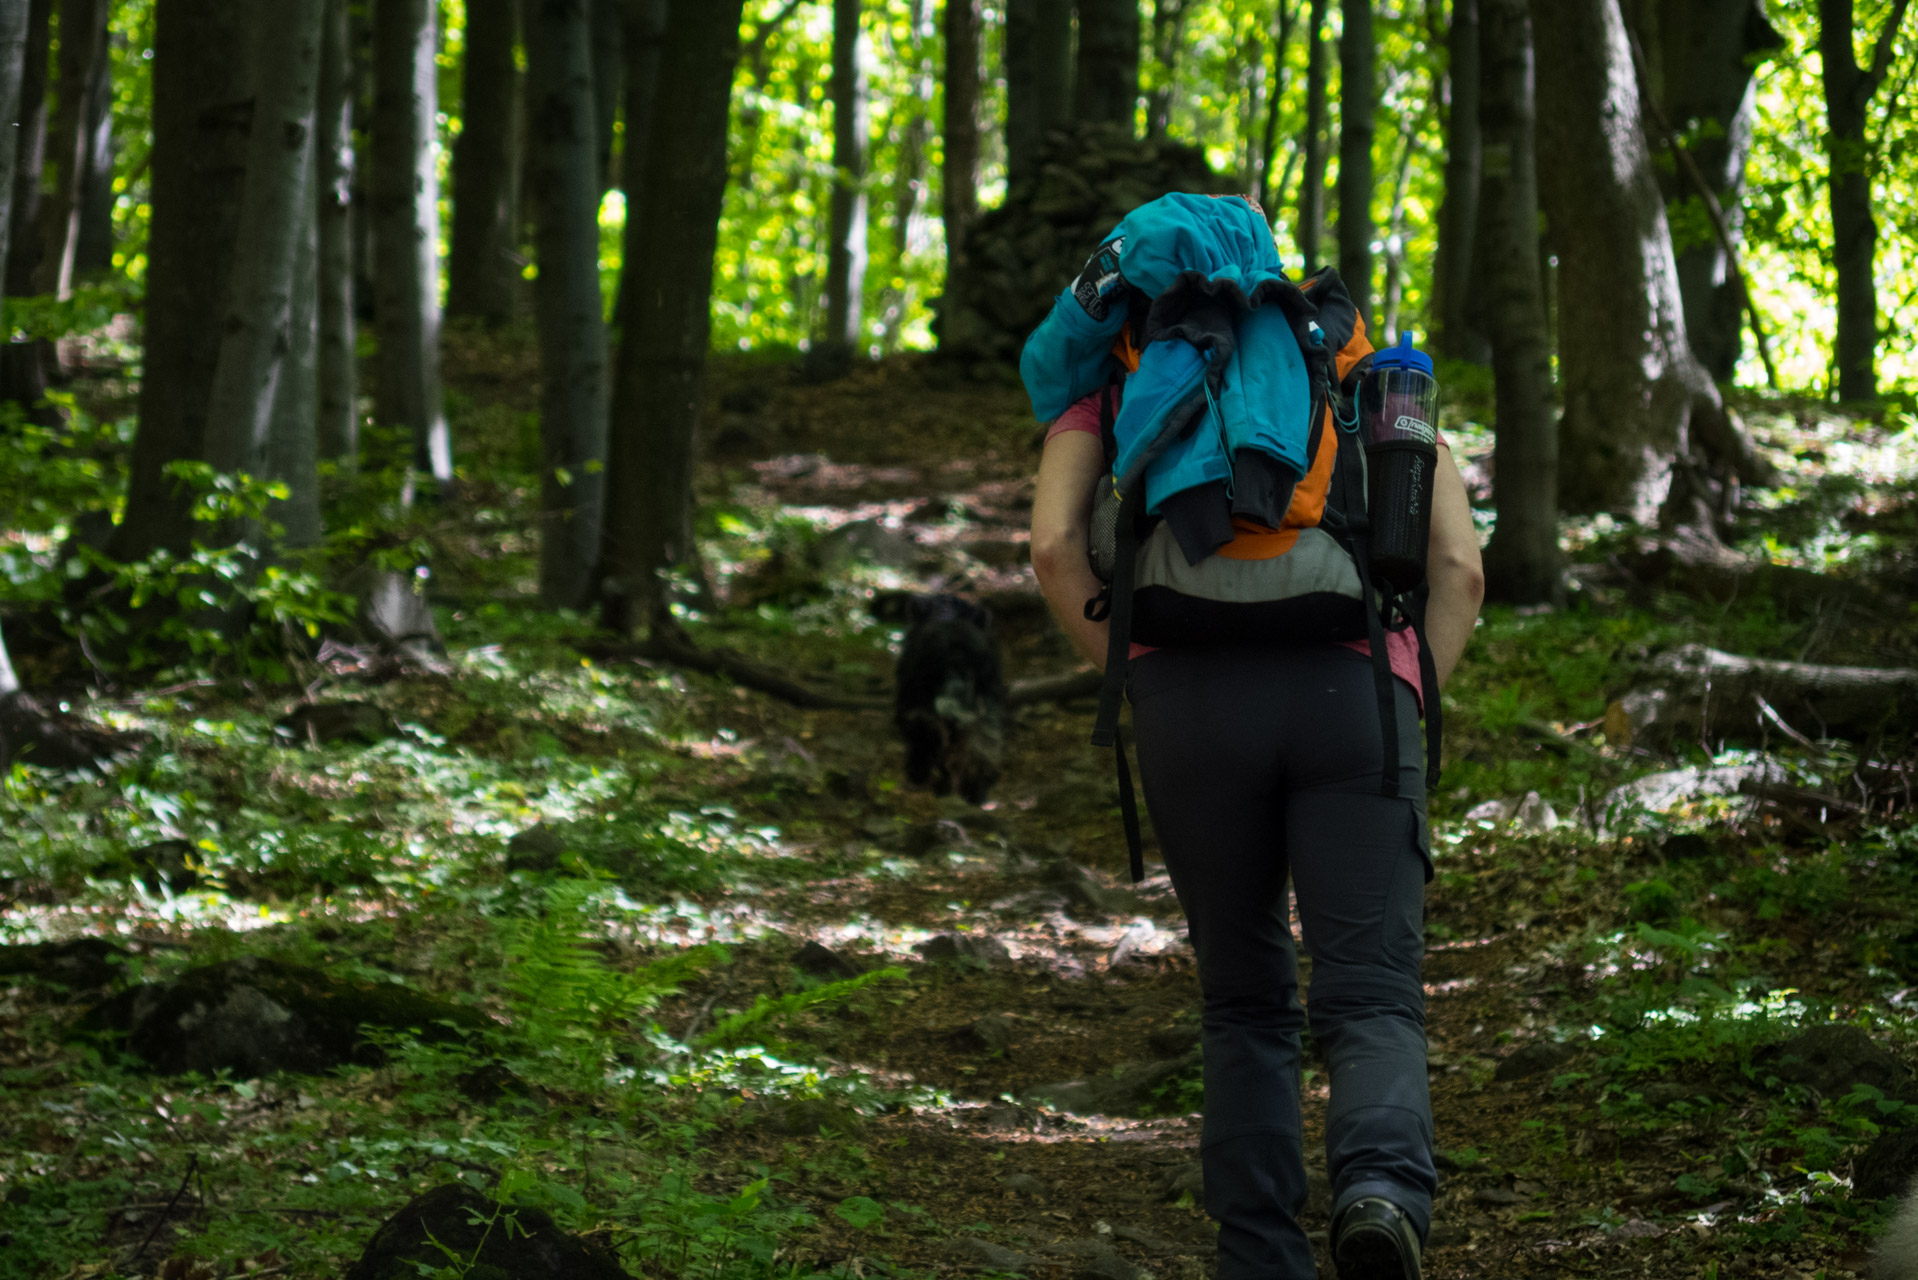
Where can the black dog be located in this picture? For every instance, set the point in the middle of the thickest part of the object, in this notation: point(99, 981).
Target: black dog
point(951, 701)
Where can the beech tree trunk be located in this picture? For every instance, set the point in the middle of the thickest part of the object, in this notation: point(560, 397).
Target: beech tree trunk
point(566, 296)
point(1311, 227)
point(338, 337)
point(1703, 57)
point(203, 86)
point(1637, 402)
point(909, 168)
point(83, 34)
point(645, 43)
point(1267, 192)
point(1358, 96)
point(610, 21)
point(479, 263)
point(1522, 560)
point(1849, 90)
point(406, 233)
point(1168, 35)
point(959, 188)
point(1038, 80)
point(846, 251)
point(1106, 84)
point(257, 322)
point(93, 245)
point(1458, 329)
point(14, 21)
point(671, 235)
point(293, 443)
point(23, 250)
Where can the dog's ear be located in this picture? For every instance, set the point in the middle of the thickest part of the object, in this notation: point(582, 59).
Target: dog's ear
point(899, 608)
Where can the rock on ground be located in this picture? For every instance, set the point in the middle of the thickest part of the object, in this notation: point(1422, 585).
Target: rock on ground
point(456, 1216)
point(254, 1017)
point(1831, 1059)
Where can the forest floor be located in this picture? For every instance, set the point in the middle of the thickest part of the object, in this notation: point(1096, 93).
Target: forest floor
point(754, 1006)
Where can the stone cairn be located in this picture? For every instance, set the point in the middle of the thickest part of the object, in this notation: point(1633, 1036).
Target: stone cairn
point(1018, 256)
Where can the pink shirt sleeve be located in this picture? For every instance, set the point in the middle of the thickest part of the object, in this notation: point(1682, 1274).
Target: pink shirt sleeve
point(1082, 416)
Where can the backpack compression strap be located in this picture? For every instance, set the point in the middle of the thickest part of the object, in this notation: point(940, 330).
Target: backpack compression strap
point(1355, 531)
point(1105, 730)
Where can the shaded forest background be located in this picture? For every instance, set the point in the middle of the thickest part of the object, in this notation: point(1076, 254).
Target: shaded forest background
point(463, 470)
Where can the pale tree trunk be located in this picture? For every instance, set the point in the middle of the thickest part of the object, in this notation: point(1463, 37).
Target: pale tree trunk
point(338, 338)
point(275, 214)
point(662, 357)
point(1038, 80)
point(93, 246)
point(566, 296)
point(610, 20)
point(1637, 402)
point(202, 99)
point(1358, 95)
point(293, 441)
point(406, 232)
point(1458, 326)
point(846, 245)
point(959, 188)
point(1522, 560)
point(1168, 36)
point(83, 34)
point(1703, 58)
point(479, 263)
point(13, 47)
point(1311, 227)
point(1849, 89)
point(1105, 85)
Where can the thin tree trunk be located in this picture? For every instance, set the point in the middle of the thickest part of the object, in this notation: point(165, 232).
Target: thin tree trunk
point(203, 84)
point(338, 338)
point(1395, 231)
point(275, 213)
point(846, 237)
point(293, 442)
point(406, 235)
point(1358, 96)
point(1704, 57)
point(1636, 400)
point(1168, 35)
point(1106, 83)
point(610, 20)
point(1311, 228)
point(14, 44)
point(1287, 17)
point(662, 356)
point(1522, 560)
point(23, 253)
point(479, 263)
point(1458, 327)
point(1849, 90)
point(566, 296)
point(909, 171)
point(1038, 80)
point(83, 33)
point(93, 247)
point(959, 189)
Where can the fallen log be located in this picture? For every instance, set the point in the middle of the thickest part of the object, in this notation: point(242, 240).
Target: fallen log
point(1695, 690)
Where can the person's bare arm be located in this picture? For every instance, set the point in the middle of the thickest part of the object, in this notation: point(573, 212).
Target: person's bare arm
point(1452, 569)
point(1061, 517)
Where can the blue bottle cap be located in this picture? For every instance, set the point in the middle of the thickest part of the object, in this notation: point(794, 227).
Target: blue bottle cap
point(1404, 356)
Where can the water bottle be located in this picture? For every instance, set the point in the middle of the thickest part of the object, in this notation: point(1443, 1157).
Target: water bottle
point(1398, 413)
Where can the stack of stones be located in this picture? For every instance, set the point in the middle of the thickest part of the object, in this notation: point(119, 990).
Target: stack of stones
point(1020, 255)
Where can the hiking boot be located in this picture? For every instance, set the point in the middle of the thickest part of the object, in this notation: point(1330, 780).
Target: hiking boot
point(1374, 1240)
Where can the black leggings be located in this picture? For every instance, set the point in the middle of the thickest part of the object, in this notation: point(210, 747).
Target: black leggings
point(1259, 764)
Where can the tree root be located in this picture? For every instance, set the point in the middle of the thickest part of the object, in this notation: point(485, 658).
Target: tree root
point(1706, 691)
point(30, 734)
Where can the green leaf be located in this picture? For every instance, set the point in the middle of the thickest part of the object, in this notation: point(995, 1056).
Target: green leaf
point(862, 1212)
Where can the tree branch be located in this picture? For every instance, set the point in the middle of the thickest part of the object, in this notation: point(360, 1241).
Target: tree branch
point(1881, 52)
point(755, 48)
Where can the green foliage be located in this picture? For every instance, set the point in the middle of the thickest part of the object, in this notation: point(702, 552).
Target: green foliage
point(767, 1008)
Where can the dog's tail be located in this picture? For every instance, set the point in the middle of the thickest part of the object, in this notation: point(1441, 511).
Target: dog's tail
point(1896, 1257)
